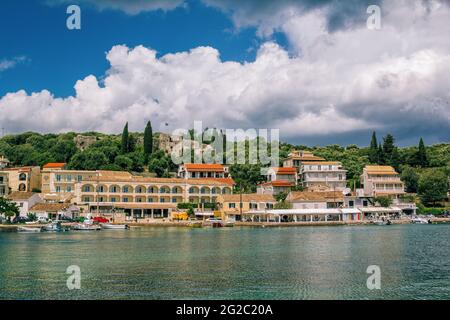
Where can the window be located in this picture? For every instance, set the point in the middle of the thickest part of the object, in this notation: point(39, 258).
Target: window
point(113, 199)
point(125, 199)
point(174, 200)
point(69, 189)
point(253, 206)
point(87, 189)
point(351, 203)
point(269, 205)
point(125, 189)
point(58, 189)
point(22, 177)
point(163, 200)
point(69, 178)
point(365, 203)
point(232, 205)
point(58, 177)
point(80, 178)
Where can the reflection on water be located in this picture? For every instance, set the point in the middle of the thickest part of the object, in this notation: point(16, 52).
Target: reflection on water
point(229, 263)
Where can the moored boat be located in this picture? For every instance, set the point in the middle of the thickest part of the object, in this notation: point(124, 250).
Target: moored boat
point(214, 222)
point(382, 222)
point(28, 229)
point(111, 226)
point(195, 224)
point(86, 227)
point(420, 221)
point(53, 227)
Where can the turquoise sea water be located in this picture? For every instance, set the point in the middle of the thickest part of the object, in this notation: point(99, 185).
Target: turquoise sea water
point(229, 263)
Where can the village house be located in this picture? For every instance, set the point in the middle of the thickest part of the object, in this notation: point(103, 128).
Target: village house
point(279, 179)
point(23, 179)
point(315, 171)
point(315, 200)
point(200, 170)
point(24, 200)
point(55, 211)
point(381, 181)
point(234, 206)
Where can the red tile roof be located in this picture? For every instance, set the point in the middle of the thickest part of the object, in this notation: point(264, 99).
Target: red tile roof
point(204, 167)
point(54, 165)
point(278, 183)
point(285, 170)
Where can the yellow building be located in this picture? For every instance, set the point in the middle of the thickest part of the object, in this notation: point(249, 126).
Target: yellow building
point(24, 179)
point(233, 206)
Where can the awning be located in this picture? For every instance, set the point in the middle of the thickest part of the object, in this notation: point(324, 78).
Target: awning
point(139, 205)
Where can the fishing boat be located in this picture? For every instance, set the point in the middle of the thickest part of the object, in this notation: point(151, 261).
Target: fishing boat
point(214, 222)
point(53, 227)
point(418, 220)
point(114, 226)
point(28, 229)
point(229, 223)
point(382, 222)
point(195, 224)
point(86, 227)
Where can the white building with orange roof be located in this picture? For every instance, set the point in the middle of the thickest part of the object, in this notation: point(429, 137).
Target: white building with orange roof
point(381, 181)
point(279, 179)
point(202, 170)
point(314, 171)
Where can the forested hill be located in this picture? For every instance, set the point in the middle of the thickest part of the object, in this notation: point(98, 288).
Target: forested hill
point(94, 150)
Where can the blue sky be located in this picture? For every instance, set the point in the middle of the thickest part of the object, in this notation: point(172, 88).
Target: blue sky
point(313, 69)
point(57, 57)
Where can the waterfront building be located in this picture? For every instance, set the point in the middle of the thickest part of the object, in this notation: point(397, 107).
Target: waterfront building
point(279, 179)
point(315, 171)
point(4, 162)
point(233, 206)
point(315, 200)
point(381, 181)
point(303, 215)
point(146, 198)
point(24, 200)
point(200, 170)
point(55, 211)
point(58, 182)
point(4, 185)
point(23, 179)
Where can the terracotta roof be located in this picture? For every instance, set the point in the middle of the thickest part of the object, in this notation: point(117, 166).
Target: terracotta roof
point(50, 207)
point(248, 197)
point(315, 196)
point(284, 170)
point(204, 167)
point(306, 158)
point(20, 195)
point(380, 170)
point(278, 183)
point(54, 165)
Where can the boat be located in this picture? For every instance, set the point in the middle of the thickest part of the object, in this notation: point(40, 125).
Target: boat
point(86, 227)
point(214, 222)
point(229, 223)
point(53, 227)
point(195, 224)
point(114, 226)
point(418, 220)
point(382, 222)
point(28, 229)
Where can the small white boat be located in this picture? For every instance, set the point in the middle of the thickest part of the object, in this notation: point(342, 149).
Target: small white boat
point(86, 227)
point(114, 226)
point(420, 221)
point(383, 222)
point(53, 227)
point(213, 222)
point(29, 230)
point(229, 223)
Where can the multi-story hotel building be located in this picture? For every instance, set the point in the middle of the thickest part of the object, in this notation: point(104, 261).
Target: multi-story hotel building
point(137, 196)
point(200, 170)
point(315, 171)
point(323, 173)
point(24, 179)
point(381, 181)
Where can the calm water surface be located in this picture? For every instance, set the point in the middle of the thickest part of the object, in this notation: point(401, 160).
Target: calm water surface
point(229, 263)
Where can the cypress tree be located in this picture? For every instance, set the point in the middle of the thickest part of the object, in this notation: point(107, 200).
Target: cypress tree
point(148, 141)
point(421, 155)
point(373, 149)
point(125, 140)
point(380, 154)
point(388, 146)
